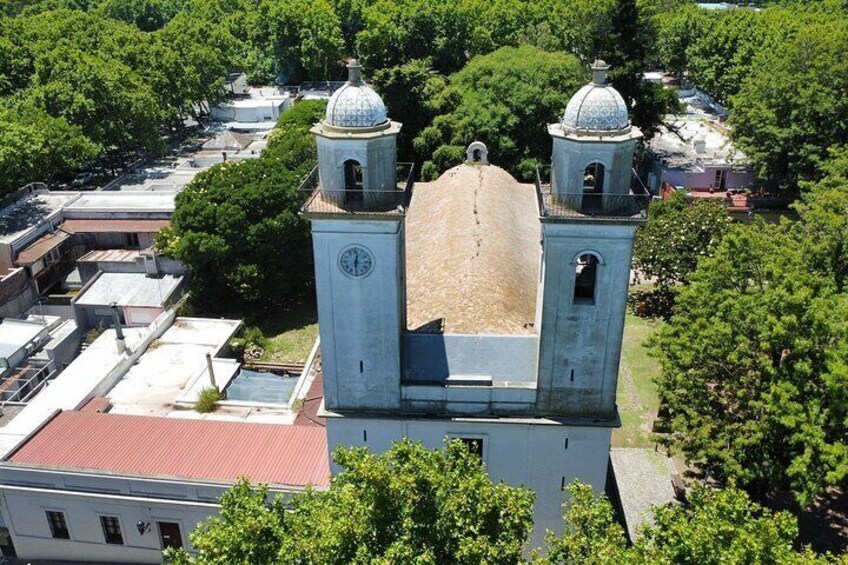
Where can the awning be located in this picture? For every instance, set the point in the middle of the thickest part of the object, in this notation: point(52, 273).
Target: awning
point(114, 226)
point(41, 247)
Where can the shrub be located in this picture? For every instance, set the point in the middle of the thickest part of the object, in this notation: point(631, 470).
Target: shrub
point(207, 400)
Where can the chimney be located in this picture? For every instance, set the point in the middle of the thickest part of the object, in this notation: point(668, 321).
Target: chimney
point(700, 145)
point(151, 263)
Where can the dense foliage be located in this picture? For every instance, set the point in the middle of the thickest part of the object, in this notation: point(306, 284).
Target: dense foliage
point(680, 231)
point(754, 371)
point(127, 72)
point(412, 505)
point(236, 225)
point(503, 99)
point(780, 70)
point(716, 527)
point(407, 505)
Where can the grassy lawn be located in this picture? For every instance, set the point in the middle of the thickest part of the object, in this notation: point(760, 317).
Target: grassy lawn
point(637, 397)
point(290, 333)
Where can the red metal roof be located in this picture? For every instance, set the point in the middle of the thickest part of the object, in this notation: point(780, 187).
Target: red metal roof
point(97, 404)
point(41, 247)
point(176, 447)
point(114, 226)
point(308, 415)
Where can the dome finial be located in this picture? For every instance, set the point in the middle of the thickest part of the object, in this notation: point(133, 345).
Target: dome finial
point(599, 71)
point(354, 72)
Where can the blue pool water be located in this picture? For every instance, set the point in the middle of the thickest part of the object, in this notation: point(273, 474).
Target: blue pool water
point(256, 386)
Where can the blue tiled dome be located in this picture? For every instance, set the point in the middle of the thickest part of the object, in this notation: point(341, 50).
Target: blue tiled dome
point(355, 105)
point(597, 107)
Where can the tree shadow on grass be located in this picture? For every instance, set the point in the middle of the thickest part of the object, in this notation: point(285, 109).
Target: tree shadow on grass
point(284, 318)
point(824, 525)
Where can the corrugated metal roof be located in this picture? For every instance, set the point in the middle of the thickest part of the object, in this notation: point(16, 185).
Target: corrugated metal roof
point(114, 226)
point(112, 255)
point(175, 447)
point(41, 247)
point(97, 404)
point(129, 289)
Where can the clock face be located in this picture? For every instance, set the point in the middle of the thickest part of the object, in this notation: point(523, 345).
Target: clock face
point(356, 261)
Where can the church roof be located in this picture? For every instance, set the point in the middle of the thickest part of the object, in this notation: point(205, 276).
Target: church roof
point(597, 107)
point(355, 105)
point(473, 253)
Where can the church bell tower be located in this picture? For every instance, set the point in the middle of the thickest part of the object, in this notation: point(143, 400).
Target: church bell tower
point(589, 219)
point(357, 216)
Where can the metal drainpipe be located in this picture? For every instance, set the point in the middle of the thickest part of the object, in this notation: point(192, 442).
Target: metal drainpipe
point(119, 332)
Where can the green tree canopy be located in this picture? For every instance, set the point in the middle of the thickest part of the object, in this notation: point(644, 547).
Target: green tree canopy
point(680, 231)
point(792, 106)
point(410, 91)
point(407, 505)
point(303, 36)
point(35, 146)
point(236, 225)
point(503, 99)
point(147, 15)
point(715, 527)
point(753, 361)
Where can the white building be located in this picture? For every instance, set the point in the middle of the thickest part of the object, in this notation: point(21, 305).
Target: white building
point(262, 104)
point(441, 315)
point(693, 150)
point(111, 464)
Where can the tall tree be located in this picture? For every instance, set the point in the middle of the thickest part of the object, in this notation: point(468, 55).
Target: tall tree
point(305, 38)
point(715, 527)
point(626, 48)
point(679, 233)
point(503, 99)
point(792, 106)
point(35, 146)
point(233, 219)
point(407, 505)
point(753, 366)
point(409, 92)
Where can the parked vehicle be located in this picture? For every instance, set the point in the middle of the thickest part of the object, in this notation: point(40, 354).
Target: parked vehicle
point(82, 179)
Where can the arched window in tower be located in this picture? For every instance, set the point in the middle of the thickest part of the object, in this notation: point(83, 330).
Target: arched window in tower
point(353, 181)
point(593, 179)
point(585, 278)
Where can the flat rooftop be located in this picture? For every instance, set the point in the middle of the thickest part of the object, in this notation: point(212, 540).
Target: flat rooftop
point(77, 383)
point(472, 245)
point(674, 144)
point(163, 447)
point(15, 334)
point(123, 201)
point(111, 256)
point(30, 211)
point(129, 289)
point(173, 365)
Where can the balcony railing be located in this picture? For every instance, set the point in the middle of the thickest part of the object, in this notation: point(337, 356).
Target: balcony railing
point(359, 201)
point(591, 205)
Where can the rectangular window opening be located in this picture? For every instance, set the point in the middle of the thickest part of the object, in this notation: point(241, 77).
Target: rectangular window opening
point(169, 535)
point(58, 525)
point(474, 445)
point(111, 530)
